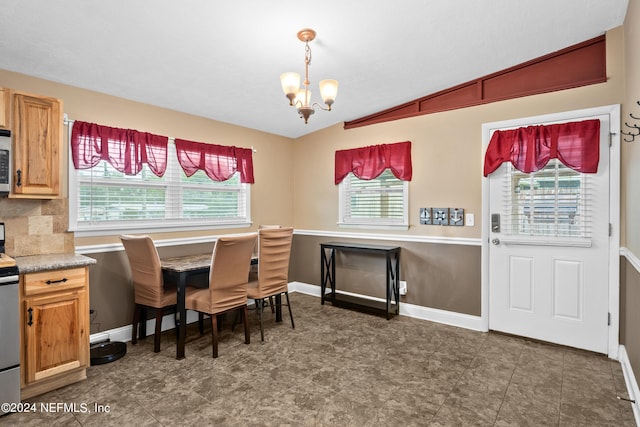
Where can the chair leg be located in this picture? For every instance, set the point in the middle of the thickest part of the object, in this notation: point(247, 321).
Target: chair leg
point(290, 314)
point(220, 319)
point(245, 319)
point(273, 310)
point(156, 336)
point(134, 324)
point(214, 335)
point(260, 316)
point(201, 322)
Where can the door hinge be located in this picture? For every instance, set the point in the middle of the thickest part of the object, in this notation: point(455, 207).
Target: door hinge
point(608, 319)
point(611, 139)
point(610, 229)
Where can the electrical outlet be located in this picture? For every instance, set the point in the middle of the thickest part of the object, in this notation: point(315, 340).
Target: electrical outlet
point(403, 287)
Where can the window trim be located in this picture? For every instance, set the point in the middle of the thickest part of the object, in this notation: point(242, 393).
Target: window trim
point(375, 223)
point(146, 226)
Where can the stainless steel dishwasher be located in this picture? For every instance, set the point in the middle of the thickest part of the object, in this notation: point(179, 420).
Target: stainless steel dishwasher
point(9, 337)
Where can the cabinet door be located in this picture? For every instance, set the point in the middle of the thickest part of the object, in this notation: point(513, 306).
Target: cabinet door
point(37, 132)
point(5, 108)
point(56, 334)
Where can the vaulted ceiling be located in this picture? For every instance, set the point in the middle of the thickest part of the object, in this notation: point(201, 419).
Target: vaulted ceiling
point(222, 60)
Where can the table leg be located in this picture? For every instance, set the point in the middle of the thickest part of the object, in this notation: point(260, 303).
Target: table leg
point(323, 277)
point(279, 308)
point(181, 316)
point(327, 273)
point(142, 328)
point(388, 283)
point(397, 283)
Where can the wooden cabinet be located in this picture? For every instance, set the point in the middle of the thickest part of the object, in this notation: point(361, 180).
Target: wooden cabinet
point(5, 108)
point(37, 133)
point(55, 329)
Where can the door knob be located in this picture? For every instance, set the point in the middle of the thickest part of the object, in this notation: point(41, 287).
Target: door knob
point(496, 241)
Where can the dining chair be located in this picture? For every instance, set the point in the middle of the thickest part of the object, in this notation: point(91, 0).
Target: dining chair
point(148, 284)
point(254, 272)
point(228, 279)
point(274, 249)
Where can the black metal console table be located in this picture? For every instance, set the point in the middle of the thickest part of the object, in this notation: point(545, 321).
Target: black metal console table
point(328, 276)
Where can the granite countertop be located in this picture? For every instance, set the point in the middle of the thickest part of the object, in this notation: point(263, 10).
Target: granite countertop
point(36, 263)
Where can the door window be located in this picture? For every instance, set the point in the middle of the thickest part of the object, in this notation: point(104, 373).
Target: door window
point(551, 202)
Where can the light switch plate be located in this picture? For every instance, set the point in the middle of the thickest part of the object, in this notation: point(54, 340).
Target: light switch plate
point(469, 220)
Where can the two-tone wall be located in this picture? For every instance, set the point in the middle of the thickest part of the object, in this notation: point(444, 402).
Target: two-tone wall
point(294, 186)
point(630, 193)
point(441, 264)
point(40, 227)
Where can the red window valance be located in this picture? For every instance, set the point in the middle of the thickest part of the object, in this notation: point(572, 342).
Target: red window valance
point(575, 144)
point(369, 162)
point(125, 149)
point(217, 161)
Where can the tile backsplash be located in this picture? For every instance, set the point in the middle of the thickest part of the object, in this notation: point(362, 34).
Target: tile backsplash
point(36, 227)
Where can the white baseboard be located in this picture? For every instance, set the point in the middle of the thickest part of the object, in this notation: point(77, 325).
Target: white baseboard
point(630, 381)
point(419, 312)
point(425, 313)
point(123, 333)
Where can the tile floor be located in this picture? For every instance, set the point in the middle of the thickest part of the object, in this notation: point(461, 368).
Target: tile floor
point(343, 368)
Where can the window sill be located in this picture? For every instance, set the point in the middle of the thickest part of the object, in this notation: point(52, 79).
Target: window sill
point(115, 230)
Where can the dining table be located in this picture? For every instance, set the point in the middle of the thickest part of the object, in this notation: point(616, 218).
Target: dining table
point(179, 269)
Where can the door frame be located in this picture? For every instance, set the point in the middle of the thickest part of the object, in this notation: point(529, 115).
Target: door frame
point(614, 210)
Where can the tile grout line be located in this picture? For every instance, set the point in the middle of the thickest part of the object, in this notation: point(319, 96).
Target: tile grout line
point(564, 354)
point(461, 375)
point(510, 379)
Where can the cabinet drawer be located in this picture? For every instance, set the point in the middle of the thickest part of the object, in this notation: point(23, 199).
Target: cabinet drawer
point(53, 281)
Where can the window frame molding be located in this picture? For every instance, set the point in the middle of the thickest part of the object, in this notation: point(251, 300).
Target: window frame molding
point(149, 226)
point(375, 224)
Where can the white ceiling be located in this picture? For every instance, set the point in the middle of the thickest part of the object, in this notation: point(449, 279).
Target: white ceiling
point(222, 60)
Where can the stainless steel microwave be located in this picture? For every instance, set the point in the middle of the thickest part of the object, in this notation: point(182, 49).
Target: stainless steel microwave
point(5, 161)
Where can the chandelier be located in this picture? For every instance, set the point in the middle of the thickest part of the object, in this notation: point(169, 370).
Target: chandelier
point(301, 97)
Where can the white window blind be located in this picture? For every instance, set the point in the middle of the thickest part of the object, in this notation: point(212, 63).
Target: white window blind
point(553, 202)
point(103, 199)
point(381, 201)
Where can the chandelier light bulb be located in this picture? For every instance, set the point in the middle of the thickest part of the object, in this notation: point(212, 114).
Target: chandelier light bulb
point(328, 91)
point(290, 85)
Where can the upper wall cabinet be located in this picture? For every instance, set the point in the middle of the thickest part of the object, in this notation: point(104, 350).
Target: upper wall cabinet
point(5, 108)
point(37, 133)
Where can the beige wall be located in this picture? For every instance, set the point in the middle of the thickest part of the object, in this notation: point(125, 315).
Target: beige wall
point(294, 183)
point(39, 227)
point(631, 151)
point(447, 158)
point(630, 191)
point(446, 152)
point(272, 161)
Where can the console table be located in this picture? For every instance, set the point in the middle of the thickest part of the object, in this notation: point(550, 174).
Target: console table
point(328, 276)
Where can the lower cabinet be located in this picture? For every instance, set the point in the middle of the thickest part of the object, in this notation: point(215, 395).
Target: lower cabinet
point(55, 329)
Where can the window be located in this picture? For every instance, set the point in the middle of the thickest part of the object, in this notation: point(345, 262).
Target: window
point(550, 202)
point(381, 201)
point(103, 200)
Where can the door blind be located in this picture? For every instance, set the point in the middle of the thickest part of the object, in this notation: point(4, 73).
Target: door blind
point(553, 202)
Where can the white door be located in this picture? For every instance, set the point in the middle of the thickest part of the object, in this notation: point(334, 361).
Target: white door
point(549, 257)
